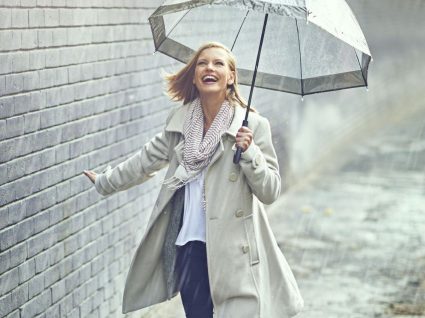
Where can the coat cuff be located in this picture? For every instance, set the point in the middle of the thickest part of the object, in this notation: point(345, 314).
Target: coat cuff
point(102, 185)
point(252, 154)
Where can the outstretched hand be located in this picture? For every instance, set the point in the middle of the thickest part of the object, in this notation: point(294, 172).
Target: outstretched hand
point(91, 175)
point(244, 137)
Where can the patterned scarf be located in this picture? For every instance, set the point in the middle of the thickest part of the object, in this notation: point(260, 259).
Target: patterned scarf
point(198, 150)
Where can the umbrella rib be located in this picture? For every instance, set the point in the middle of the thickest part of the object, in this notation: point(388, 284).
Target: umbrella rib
point(299, 50)
point(174, 26)
point(256, 65)
point(237, 35)
point(361, 70)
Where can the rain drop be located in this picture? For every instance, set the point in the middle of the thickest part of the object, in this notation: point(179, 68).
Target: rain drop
point(328, 211)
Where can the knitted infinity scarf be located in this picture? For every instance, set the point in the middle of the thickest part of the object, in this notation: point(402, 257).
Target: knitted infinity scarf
point(198, 151)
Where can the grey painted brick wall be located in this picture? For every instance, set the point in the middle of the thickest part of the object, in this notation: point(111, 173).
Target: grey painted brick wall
point(79, 89)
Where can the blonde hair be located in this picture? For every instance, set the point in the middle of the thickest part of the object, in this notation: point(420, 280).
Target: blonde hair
point(180, 85)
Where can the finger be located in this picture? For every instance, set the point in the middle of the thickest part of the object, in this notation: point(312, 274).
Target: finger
point(245, 137)
point(245, 129)
point(242, 135)
point(91, 175)
point(242, 144)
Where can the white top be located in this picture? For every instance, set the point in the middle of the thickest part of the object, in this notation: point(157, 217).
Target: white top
point(193, 228)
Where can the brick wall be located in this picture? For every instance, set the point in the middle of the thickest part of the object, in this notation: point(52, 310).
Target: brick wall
point(79, 88)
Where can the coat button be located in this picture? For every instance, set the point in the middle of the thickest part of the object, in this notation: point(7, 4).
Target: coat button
point(239, 213)
point(233, 176)
point(256, 161)
point(245, 249)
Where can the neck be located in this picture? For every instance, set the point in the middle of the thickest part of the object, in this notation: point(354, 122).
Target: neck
point(211, 106)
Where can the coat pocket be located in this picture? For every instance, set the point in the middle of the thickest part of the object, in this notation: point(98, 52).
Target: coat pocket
point(252, 239)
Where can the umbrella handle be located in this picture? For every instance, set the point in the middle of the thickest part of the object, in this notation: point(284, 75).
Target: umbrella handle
point(237, 155)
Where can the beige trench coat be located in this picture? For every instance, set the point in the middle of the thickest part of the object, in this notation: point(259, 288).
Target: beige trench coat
point(249, 276)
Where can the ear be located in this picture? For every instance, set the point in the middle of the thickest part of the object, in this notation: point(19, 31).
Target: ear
point(231, 79)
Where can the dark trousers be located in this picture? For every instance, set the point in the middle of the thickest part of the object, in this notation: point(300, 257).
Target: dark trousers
point(192, 269)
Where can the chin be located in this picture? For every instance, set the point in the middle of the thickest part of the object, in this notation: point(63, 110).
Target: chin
point(211, 90)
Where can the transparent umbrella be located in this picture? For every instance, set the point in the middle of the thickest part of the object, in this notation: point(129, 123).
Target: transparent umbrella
point(295, 46)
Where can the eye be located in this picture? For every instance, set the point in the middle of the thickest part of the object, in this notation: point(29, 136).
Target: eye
point(201, 63)
point(220, 63)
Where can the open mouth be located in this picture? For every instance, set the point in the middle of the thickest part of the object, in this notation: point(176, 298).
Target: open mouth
point(209, 79)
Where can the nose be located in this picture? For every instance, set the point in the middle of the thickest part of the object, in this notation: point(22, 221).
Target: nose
point(210, 65)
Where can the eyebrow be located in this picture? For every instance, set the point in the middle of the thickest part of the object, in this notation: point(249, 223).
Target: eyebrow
point(215, 60)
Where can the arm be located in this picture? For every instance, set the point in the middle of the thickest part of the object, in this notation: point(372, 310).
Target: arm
point(138, 168)
point(260, 166)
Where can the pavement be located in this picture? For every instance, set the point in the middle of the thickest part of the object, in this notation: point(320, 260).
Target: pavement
point(354, 234)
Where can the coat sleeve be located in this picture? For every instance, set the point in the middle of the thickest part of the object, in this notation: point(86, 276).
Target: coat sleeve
point(260, 166)
point(138, 168)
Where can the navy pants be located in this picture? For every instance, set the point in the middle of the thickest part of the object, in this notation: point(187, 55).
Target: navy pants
point(191, 265)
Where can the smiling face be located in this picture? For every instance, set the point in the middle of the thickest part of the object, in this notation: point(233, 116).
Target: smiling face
point(212, 72)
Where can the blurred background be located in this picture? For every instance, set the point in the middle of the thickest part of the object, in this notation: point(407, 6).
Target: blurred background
point(80, 89)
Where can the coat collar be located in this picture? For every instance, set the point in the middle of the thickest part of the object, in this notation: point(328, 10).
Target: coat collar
point(177, 120)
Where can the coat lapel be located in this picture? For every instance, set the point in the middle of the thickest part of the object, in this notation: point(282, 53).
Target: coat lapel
point(236, 122)
point(217, 154)
point(178, 150)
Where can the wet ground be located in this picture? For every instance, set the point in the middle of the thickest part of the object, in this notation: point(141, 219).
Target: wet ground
point(355, 236)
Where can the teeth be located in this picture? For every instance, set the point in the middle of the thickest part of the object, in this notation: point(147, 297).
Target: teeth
point(209, 77)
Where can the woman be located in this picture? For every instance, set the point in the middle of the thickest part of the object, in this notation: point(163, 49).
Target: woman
point(208, 236)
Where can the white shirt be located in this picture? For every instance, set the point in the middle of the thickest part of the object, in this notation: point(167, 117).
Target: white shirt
point(193, 228)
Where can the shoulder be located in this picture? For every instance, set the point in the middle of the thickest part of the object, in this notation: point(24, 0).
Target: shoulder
point(175, 118)
point(260, 119)
point(173, 111)
point(257, 122)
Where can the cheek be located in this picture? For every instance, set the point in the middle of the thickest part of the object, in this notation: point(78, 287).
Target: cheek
point(196, 76)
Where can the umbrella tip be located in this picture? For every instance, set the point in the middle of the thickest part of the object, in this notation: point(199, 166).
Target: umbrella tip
point(367, 88)
point(302, 98)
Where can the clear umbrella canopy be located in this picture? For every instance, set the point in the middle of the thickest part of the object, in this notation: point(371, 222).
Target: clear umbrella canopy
point(309, 46)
